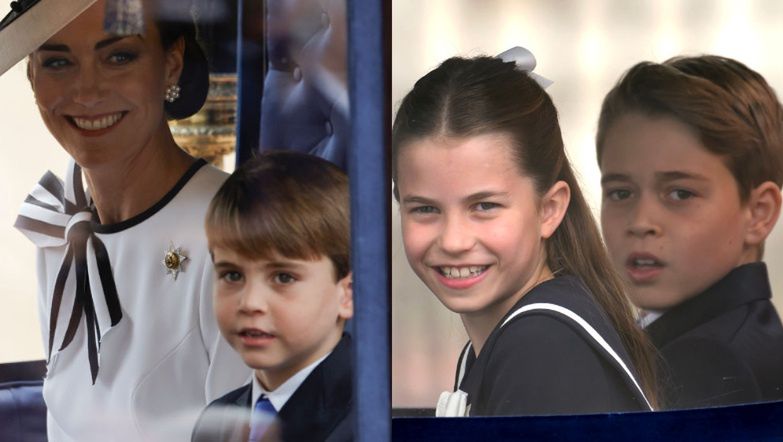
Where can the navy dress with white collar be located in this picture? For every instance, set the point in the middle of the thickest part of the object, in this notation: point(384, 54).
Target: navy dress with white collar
point(541, 361)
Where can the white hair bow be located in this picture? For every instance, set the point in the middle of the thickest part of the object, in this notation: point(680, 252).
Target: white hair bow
point(526, 61)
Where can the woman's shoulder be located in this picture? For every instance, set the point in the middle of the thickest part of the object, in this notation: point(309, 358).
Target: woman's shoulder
point(205, 179)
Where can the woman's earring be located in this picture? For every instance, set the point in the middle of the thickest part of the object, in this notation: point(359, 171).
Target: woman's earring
point(172, 93)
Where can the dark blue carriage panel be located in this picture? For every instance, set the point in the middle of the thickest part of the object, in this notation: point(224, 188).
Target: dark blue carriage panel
point(757, 422)
point(22, 408)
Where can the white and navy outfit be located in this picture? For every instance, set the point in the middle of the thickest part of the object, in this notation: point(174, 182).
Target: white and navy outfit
point(135, 353)
point(555, 352)
point(723, 346)
point(315, 404)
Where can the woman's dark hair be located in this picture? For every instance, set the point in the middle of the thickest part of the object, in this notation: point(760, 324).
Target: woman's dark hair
point(194, 80)
point(470, 97)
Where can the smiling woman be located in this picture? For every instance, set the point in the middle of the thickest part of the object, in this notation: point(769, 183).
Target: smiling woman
point(128, 328)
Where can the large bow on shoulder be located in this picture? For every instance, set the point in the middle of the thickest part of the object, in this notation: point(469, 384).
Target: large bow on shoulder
point(57, 214)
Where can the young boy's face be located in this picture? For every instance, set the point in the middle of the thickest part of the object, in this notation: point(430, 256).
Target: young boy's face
point(671, 212)
point(282, 314)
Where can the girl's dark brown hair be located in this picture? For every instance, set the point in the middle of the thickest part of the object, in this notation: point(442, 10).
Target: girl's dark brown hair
point(287, 203)
point(469, 97)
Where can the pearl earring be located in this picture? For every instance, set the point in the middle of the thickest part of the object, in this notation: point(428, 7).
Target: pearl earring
point(172, 93)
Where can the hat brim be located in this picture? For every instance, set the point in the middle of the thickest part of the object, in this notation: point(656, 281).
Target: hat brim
point(30, 30)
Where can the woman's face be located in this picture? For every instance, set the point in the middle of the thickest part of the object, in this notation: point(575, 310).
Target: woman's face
point(471, 223)
point(100, 95)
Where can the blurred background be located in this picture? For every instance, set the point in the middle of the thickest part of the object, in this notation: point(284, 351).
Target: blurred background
point(583, 46)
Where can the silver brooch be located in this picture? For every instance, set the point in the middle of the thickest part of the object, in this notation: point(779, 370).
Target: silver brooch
point(173, 260)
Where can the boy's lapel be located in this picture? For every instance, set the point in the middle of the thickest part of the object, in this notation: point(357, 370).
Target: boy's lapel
point(324, 398)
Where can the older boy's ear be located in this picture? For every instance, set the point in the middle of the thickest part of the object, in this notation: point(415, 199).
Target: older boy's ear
point(763, 211)
point(553, 207)
point(345, 307)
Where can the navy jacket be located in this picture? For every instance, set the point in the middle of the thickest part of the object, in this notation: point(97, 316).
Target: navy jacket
point(723, 346)
point(542, 362)
point(319, 410)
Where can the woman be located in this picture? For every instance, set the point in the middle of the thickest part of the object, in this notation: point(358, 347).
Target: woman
point(123, 267)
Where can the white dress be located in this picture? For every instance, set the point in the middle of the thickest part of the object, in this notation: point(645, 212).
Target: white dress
point(165, 359)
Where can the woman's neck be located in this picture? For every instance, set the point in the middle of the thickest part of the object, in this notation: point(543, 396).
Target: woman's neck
point(126, 188)
point(480, 324)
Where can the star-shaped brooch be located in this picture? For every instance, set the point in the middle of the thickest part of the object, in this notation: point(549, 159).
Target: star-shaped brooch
point(173, 260)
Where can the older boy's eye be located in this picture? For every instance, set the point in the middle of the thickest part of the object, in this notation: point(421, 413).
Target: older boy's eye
point(618, 194)
point(284, 278)
point(486, 206)
point(680, 194)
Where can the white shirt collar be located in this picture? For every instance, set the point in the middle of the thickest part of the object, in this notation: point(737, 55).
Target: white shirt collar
point(647, 317)
point(280, 396)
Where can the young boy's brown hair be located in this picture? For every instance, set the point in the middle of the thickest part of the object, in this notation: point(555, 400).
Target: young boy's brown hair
point(285, 202)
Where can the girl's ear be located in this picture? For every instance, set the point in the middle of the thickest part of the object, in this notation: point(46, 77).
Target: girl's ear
point(553, 207)
point(345, 301)
point(175, 56)
point(763, 211)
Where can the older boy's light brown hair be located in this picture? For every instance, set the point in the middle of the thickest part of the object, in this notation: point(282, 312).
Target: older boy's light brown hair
point(285, 203)
point(735, 113)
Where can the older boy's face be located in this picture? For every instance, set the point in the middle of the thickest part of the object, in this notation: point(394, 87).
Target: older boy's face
point(281, 315)
point(671, 212)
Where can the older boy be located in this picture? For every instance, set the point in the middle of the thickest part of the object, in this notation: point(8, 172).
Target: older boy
point(278, 232)
point(691, 155)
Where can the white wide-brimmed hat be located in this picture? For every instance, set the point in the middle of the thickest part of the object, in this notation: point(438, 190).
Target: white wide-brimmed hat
point(30, 23)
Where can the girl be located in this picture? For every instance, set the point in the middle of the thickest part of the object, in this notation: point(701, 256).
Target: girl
point(495, 225)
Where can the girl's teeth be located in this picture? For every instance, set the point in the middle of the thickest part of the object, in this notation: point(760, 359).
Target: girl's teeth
point(461, 272)
point(97, 123)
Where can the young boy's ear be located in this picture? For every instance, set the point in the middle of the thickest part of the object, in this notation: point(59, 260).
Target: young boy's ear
point(554, 204)
point(763, 211)
point(345, 307)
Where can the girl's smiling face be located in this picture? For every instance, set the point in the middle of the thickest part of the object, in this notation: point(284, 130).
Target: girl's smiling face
point(471, 223)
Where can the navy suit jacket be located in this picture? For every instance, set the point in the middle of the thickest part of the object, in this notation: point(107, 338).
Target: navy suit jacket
point(319, 410)
point(724, 346)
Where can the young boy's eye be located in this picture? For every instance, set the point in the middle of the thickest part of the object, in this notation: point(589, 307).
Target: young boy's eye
point(680, 194)
point(284, 278)
point(618, 194)
point(231, 276)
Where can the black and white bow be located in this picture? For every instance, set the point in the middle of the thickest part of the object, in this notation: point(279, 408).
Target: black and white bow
point(57, 214)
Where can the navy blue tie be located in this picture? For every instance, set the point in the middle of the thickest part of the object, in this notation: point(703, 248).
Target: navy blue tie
point(262, 418)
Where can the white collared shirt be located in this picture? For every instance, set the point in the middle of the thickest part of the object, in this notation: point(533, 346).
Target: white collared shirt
point(647, 317)
point(281, 394)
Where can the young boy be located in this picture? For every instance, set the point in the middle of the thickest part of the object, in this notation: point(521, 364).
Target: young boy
point(278, 232)
point(691, 155)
